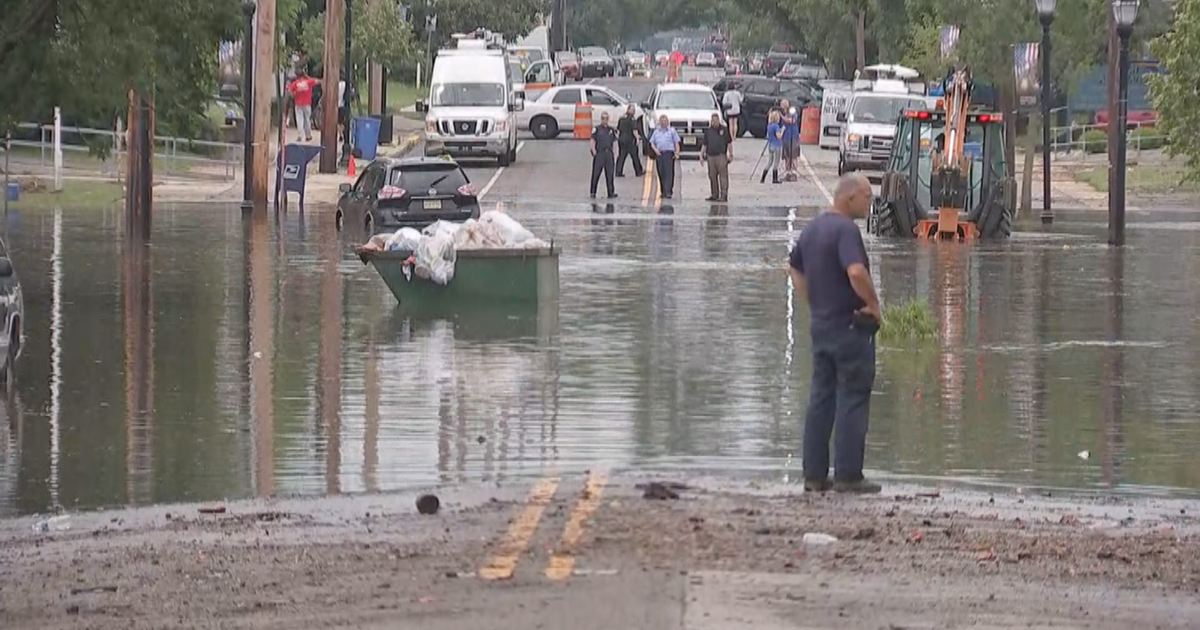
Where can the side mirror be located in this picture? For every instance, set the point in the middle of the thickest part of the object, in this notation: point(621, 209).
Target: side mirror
point(422, 106)
point(841, 117)
point(343, 189)
point(6, 268)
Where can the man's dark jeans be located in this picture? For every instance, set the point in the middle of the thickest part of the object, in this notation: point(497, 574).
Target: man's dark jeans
point(839, 403)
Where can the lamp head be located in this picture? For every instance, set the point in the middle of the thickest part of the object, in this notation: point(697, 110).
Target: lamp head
point(249, 7)
point(1125, 13)
point(1045, 8)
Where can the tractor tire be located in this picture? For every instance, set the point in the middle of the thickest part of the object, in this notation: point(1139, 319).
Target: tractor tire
point(887, 224)
point(996, 223)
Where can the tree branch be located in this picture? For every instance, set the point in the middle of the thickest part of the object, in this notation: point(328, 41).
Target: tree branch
point(38, 16)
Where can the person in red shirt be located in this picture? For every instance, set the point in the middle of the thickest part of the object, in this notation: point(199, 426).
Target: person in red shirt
point(302, 93)
point(676, 64)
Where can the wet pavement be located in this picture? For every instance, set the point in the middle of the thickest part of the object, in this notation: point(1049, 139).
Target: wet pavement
point(233, 358)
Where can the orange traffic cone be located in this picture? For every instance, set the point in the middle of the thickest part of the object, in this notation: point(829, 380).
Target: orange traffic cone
point(350, 171)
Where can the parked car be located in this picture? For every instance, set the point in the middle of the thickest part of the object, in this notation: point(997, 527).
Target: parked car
point(554, 112)
point(706, 59)
point(774, 62)
point(661, 57)
point(806, 70)
point(392, 193)
point(12, 314)
point(637, 64)
point(596, 62)
point(689, 108)
point(568, 62)
point(760, 95)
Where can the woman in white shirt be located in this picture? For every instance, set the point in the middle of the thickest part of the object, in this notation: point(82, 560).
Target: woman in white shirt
point(732, 102)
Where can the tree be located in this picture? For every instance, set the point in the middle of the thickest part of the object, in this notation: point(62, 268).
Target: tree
point(513, 18)
point(1175, 93)
point(84, 56)
point(379, 34)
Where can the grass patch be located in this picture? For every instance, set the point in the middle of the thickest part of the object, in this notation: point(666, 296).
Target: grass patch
point(1146, 179)
point(401, 95)
point(908, 321)
point(38, 194)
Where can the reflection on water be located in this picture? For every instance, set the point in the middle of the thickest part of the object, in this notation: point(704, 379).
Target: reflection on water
point(228, 358)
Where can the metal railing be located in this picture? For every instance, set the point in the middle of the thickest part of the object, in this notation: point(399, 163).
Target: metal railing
point(1079, 142)
point(173, 157)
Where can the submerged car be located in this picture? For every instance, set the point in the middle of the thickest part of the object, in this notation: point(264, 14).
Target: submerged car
point(407, 192)
point(12, 314)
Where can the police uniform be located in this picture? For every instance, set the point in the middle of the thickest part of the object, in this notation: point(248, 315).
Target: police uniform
point(604, 139)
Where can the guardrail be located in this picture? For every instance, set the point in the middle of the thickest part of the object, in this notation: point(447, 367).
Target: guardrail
point(173, 157)
point(1090, 142)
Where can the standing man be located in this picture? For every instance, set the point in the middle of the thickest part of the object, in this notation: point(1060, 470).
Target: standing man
point(629, 138)
point(829, 266)
point(717, 150)
point(732, 102)
point(664, 143)
point(301, 90)
point(604, 138)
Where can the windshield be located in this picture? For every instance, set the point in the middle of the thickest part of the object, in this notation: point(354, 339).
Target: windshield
point(883, 110)
point(566, 57)
point(420, 180)
point(529, 54)
point(801, 71)
point(517, 69)
point(686, 99)
point(468, 95)
point(593, 52)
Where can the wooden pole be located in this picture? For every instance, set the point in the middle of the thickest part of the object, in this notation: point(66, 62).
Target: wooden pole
point(1113, 79)
point(329, 82)
point(264, 95)
point(375, 80)
point(140, 159)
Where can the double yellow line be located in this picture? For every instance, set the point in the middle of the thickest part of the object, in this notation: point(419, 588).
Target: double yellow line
point(503, 564)
point(650, 186)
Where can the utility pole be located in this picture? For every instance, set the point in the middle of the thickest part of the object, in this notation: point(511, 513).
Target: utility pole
point(349, 72)
point(329, 83)
point(375, 72)
point(264, 95)
point(248, 7)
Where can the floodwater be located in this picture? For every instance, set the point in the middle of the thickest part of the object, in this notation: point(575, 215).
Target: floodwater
point(235, 358)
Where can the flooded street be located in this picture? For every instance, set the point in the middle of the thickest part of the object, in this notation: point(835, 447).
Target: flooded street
point(236, 359)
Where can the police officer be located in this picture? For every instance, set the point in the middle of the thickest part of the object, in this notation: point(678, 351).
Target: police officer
point(604, 138)
point(629, 132)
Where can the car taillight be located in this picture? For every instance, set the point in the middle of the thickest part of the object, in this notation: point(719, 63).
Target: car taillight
point(391, 192)
point(466, 190)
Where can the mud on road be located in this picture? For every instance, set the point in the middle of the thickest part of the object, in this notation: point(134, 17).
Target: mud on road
point(590, 553)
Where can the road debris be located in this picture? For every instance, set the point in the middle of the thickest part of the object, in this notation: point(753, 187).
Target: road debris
point(428, 504)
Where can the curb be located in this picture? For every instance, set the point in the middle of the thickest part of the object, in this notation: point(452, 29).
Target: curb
point(406, 145)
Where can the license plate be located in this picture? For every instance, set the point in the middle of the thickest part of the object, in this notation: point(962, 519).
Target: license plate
point(433, 204)
point(691, 141)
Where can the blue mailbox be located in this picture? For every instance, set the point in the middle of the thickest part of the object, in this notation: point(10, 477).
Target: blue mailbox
point(293, 170)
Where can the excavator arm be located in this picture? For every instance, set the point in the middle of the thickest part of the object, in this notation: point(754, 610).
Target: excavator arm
point(950, 178)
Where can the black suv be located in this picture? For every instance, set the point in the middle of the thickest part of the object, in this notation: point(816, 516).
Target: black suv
point(397, 192)
point(760, 95)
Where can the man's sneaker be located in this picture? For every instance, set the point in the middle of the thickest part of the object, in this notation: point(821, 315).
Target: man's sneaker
point(817, 485)
point(862, 486)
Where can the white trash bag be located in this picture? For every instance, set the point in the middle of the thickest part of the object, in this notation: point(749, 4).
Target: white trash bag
point(405, 239)
point(441, 227)
point(435, 257)
point(469, 235)
point(501, 230)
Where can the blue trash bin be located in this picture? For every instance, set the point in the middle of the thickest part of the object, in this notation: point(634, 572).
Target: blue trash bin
point(366, 137)
point(13, 192)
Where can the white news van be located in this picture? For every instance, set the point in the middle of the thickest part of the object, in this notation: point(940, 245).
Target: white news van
point(471, 107)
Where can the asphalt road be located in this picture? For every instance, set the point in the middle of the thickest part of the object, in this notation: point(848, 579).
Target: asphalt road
point(559, 171)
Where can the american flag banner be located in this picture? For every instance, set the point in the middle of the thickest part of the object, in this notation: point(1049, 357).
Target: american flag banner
point(948, 39)
point(1027, 72)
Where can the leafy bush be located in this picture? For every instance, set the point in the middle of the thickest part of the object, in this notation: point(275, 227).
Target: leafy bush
point(1094, 141)
point(912, 320)
point(1146, 139)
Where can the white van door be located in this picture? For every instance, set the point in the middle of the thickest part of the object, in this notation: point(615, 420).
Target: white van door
point(833, 102)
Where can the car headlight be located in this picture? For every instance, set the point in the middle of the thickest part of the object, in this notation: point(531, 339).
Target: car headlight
point(853, 141)
point(431, 125)
point(501, 124)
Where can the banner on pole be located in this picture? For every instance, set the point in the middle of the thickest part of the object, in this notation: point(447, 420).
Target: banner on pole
point(948, 40)
point(1027, 72)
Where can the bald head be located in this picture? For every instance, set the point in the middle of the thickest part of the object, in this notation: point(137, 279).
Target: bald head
point(852, 196)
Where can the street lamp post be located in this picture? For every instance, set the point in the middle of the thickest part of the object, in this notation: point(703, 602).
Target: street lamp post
point(1124, 14)
point(248, 7)
point(1045, 9)
point(349, 69)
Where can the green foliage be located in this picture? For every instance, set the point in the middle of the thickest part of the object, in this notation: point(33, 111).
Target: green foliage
point(1094, 141)
point(378, 32)
point(1146, 139)
point(84, 56)
point(908, 321)
point(1175, 94)
point(513, 18)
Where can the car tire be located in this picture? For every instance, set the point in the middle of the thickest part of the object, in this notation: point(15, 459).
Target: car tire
point(512, 154)
point(544, 127)
point(338, 220)
point(369, 226)
point(8, 371)
point(841, 168)
point(502, 160)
